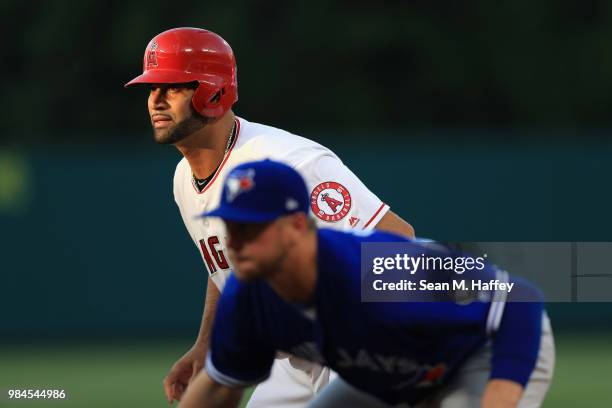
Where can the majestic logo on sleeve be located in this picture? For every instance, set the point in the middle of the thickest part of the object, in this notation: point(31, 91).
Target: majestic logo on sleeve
point(152, 55)
point(239, 182)
point(330, 201)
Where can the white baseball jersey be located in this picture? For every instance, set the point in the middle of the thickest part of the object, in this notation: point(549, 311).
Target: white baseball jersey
point(338, 198)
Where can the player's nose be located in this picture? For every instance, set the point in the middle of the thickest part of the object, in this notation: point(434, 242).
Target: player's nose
point(157, 97)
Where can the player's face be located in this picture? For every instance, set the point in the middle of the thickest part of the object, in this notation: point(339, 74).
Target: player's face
point(172, 115)
point(256, 250)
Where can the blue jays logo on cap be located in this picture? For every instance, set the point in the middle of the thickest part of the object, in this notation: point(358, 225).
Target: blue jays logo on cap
point(261, 191)
point(238, 182)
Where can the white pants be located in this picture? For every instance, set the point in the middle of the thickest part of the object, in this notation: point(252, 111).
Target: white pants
point(293, 382)
point(465, 390)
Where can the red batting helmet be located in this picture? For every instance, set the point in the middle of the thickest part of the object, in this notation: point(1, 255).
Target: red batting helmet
point(193, 55)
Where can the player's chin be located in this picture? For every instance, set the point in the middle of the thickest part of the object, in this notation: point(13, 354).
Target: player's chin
point(162, 136)
point(246, 270)
point(166, 136)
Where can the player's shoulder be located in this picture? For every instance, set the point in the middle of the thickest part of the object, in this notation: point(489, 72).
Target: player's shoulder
point(342, 248)
point(360, 236)
point(235, 292)
point(339, 256)
point(268, 141)
point(242, 290)
point(253, 132)
point(254, 296)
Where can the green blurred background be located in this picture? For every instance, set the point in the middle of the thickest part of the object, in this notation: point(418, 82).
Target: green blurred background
point(474, 120)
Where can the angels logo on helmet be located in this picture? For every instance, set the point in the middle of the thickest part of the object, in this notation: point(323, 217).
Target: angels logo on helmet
point(152, 55)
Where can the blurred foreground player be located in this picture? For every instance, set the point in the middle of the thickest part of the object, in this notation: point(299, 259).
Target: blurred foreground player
point(297, 289)
point(192, 78)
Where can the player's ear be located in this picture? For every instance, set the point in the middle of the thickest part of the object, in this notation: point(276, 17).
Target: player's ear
point(300, 221)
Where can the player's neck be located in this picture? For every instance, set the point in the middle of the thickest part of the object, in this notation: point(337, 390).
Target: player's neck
point(205, 149)
point(296, 280)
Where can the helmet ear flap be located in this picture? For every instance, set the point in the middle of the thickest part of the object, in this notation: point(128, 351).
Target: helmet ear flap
point(208, 103)
point(214, 97)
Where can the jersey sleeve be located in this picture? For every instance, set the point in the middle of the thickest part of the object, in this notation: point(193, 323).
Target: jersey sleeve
point(238, 355)
point(338, 198)
point(516, 342)
point(513, 321)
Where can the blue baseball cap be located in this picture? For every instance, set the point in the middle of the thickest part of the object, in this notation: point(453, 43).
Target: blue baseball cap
point(261, 191)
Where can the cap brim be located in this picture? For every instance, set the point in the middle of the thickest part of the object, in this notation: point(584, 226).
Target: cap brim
point(239, 215)
point(161, 76)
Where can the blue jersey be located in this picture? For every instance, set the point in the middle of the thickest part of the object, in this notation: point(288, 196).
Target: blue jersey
point(399, 352)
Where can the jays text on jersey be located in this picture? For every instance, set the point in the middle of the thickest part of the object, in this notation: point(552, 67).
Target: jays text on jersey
point(338, 198)
point(399, 352)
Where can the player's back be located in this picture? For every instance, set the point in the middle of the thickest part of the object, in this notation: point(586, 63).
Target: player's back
point(404, 343)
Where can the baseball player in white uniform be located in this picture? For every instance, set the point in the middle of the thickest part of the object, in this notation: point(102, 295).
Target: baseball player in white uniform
point(192, 78)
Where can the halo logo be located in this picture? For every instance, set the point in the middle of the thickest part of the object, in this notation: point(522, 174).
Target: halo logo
point(330, 201)
point(152, 55)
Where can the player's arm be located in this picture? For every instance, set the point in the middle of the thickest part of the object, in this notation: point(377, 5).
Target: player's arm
point(501, 394)
point(208, 316)
point(190, 364)
point(516, 345)
point(513, 321)
point(515, 341)
point(240, 354)
point(204, 392)
point(391, 222)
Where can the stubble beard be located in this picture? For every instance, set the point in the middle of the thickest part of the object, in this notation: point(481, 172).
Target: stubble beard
point(263, 270)
point(275, 265)
point(180, 131)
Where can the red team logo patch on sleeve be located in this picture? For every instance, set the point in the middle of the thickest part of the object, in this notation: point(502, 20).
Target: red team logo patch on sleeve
point(330, 201)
